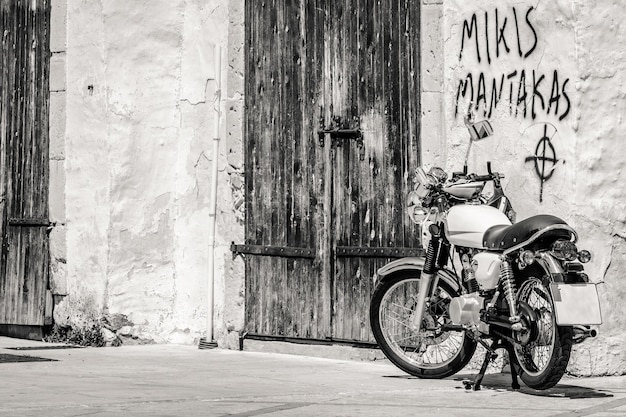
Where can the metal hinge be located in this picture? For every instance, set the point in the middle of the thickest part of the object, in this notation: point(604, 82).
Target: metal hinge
point(374, 252)
point(29, 222)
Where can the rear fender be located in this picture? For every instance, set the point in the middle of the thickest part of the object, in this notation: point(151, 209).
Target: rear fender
point(413, 264)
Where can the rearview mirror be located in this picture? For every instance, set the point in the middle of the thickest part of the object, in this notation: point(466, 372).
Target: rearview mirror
point(480, 130)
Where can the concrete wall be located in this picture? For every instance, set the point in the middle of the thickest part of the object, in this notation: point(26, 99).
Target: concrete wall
point(553, 69)
point(132, 130)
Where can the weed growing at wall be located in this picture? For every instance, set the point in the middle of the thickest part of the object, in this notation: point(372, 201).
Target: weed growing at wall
point(86, 336)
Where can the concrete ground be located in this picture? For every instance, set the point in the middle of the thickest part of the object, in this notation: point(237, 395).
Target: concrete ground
point(173, 380)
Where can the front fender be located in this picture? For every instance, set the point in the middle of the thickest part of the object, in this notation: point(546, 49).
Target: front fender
point(413, 264)
point(401, 264)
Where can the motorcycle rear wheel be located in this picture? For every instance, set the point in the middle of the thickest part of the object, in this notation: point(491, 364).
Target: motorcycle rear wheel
point(542, 362)
point(430, 352)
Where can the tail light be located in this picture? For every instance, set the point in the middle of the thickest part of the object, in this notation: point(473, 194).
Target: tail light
point(564, 250)
point(584, 256)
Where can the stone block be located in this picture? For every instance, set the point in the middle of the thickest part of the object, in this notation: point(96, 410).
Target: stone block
point(58, 263)
point(58, 26)
point(58, 277)
point(432, 49)
point(57, 72)
point(433, 141)
point(57, 125)
point(57, 191)
point(234, 133)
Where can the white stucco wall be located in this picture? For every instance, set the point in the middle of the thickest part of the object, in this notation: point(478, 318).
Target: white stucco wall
point(140, 115)
point(574, 49)
point(134, 148)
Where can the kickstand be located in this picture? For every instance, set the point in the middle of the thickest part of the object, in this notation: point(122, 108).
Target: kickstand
point(489, 356)
point(514, 381)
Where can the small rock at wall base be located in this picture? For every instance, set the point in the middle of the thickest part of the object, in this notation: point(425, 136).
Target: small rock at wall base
point(116, 321)
point(108, 335)
point(125, 331)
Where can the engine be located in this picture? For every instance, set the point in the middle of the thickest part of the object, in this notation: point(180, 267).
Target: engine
point(465, 309)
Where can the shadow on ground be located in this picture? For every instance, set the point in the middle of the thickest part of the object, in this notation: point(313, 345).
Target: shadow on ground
point(502, 382)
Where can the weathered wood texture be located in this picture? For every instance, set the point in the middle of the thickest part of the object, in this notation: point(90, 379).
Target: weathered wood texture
point(313, 64)
point(24, 163)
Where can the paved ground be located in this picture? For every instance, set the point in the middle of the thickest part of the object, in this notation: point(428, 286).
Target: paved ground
point(172, 380)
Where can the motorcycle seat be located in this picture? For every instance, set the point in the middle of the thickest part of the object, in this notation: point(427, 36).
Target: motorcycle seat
point(503, 237)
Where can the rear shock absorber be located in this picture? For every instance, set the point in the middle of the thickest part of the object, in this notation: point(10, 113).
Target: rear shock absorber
point(510, 292)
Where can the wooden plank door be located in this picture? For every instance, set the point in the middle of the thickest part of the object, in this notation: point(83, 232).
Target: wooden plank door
point(287, 255)
point(314, 199)
point(372, 83)
point(24, 163)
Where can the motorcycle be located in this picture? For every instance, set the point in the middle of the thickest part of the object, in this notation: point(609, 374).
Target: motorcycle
point(522, 286)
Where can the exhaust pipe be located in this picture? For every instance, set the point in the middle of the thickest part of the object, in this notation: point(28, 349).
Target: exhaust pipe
point(583, 332)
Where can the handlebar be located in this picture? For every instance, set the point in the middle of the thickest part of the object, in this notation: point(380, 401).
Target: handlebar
point(489, 177)
point(473, 177)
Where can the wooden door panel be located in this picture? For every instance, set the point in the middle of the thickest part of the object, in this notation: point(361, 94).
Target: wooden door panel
point(285, 181)
point(24, 163)
point(315, 65)
point(381, 95)
point(27, 262)
point(283, 298)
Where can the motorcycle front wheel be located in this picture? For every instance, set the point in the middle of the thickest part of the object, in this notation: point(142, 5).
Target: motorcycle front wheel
point(430, 351)
point(542, 361)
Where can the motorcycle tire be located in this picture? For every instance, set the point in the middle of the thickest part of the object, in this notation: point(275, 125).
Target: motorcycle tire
point(399, 292)
point(542, 362)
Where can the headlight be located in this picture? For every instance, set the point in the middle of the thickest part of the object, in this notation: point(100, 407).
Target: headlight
point(413, 199)
point(423, 183)
point(417, 213)
point(564, 250)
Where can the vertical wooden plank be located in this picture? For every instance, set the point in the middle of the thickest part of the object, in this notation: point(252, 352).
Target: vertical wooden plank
point(251, 163)
point(265, 183)
point(28, 286)
point(327, 166)
point(313, 160)
point(4, 105)
point(367, 169)
point(12, 184)
point(414, 100)
point(277, 156)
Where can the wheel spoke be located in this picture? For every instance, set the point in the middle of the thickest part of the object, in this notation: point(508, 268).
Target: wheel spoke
point(432, 347)
point(534, 358)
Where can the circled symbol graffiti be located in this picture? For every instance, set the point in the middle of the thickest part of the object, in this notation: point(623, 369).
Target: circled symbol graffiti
point(545, 159)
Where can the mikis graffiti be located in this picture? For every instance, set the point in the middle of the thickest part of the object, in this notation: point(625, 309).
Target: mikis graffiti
point(528, 93)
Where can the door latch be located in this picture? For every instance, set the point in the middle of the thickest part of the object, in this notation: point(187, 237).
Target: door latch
point(339, 132)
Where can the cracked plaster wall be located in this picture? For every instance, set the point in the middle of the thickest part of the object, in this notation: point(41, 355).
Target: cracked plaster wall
point(140, 116)
point(583, 41)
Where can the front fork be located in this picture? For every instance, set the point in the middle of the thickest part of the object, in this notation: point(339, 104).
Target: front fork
point(436, 257)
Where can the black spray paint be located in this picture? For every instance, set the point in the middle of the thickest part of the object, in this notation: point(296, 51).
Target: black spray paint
point(529, 92)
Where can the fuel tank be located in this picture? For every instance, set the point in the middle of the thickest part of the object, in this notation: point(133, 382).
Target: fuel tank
point(466, 223)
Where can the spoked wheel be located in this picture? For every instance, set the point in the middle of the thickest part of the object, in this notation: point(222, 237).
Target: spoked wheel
point(541, 360)
point(428, 351)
